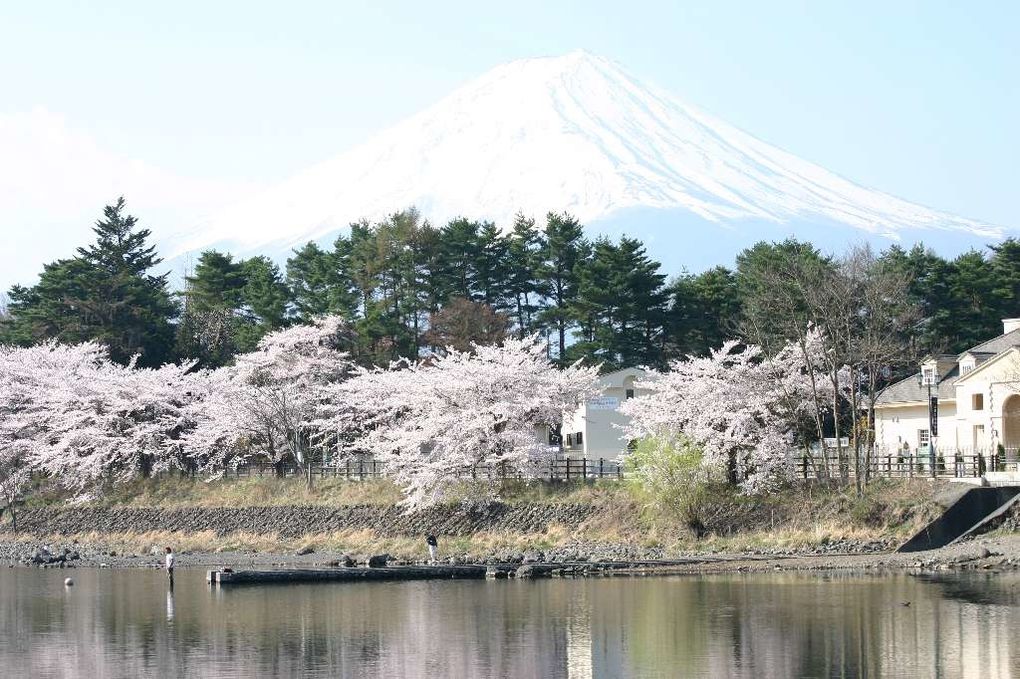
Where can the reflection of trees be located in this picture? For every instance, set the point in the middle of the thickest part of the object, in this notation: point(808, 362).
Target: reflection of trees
point(114, 624)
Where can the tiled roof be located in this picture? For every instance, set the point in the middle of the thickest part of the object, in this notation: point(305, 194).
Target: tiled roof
point(908, 390)
point(996, 345)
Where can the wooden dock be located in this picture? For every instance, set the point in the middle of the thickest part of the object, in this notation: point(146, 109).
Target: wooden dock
point(354, 574)
point(433, 572)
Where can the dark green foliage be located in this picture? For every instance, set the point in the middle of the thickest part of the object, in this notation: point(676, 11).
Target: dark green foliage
point(602, 301)
point(564, 249)
point(619, 306)
point(703, 313)
point(105, 293)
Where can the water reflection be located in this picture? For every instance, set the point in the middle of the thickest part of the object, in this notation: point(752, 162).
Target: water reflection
point(129, 624)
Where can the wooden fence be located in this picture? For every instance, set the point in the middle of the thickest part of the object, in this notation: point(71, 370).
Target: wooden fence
point(567, 470)
point(948, 463)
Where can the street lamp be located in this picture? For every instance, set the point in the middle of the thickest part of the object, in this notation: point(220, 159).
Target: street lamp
point(929, 377)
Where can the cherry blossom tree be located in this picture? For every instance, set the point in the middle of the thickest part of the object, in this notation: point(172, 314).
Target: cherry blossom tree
point(274, 400)
point(743, 408)
point(431, 423)
point(73, 413)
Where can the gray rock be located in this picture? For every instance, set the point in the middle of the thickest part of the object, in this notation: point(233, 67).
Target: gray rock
point(377, 560)
point(524, 572)
point(305, 550)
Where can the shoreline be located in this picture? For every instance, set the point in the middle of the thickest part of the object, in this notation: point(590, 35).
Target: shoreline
point(987, 554)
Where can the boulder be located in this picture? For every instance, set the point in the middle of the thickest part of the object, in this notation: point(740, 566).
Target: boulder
point(533, 557)
point(525, 571)
point(377, 560)
point(307, 549)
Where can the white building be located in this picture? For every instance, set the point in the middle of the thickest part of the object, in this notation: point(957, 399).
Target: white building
point(593, 431)
point(978, 401)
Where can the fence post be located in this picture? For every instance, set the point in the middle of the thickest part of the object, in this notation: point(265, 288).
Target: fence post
point(600, 467)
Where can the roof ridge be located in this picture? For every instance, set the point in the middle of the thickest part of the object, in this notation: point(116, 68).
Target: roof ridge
point(989, 341)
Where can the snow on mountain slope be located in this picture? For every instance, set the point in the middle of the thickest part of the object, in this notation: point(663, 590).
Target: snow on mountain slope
point(574, 133)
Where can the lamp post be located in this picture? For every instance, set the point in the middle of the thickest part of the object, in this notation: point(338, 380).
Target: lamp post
point(932, 377)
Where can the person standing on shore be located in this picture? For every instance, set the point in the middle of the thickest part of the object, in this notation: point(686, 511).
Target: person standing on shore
point(433, 545)
point(170, 565)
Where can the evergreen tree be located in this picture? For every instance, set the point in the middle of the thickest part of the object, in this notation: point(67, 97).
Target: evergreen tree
point(105, 293)
point(524, 252)
point(704, 311)
point(460, 252)
point(620, 306)
point(313, 281)
point(216, 283)
point(565, 247)
point(263, 302)
point(209, 329)
point(774, 280)
point(492, 268)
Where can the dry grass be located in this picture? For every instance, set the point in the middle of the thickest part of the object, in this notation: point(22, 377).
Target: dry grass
point(793, 518)
point(356, 542)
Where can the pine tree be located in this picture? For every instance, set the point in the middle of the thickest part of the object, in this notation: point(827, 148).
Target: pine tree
point(459, 254)
point(703, 312)
point(523, 261)
point(312, 279)
point(216, 283)
point(105, 293)
point(492, 268)
point(565, 248)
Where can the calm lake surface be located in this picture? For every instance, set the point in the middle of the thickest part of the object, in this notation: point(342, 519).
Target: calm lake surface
point(125, 623)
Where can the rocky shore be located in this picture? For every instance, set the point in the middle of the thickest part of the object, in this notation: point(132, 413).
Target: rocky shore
point(999, 554)
point(92, 536)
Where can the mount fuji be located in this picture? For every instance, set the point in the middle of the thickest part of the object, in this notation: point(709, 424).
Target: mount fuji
point(578, 133)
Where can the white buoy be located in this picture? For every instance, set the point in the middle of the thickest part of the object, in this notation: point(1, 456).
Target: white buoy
point(68, 582)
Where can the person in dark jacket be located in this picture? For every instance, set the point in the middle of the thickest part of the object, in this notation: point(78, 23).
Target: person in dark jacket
point(433, 545)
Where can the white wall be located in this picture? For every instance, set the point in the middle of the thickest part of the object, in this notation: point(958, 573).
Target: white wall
point(895, 425)
point(600, 419)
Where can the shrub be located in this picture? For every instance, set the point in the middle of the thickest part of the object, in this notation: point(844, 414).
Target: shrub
point(672, 475)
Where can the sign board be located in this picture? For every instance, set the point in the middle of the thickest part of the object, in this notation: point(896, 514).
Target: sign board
point(604, 403)
point(933, 416)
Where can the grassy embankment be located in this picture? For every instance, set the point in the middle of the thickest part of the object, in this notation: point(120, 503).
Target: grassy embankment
point(794, 518)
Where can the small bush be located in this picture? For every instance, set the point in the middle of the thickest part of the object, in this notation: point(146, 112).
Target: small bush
point(672, 476)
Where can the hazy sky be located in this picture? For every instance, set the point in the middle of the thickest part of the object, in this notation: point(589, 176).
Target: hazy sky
point(184, 106)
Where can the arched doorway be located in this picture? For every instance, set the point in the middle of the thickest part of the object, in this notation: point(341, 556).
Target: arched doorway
point(1011, 422)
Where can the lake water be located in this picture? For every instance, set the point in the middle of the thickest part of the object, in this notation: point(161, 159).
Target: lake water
point(125, 623)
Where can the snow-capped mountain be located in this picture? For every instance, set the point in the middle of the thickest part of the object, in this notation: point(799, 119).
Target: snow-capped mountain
point(575, 133)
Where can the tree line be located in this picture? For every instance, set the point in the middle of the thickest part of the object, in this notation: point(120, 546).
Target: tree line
point(407, 287)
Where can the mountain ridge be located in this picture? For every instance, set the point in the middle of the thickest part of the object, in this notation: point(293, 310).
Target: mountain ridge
point(575, 133)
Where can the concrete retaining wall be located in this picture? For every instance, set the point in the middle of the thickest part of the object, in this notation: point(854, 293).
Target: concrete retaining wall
point(291, 522)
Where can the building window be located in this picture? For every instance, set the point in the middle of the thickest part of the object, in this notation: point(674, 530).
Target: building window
point(977, 402)
point(570, 440)
point(966, 368)
point(579, 438)
point(630, 393)
point(922, 438)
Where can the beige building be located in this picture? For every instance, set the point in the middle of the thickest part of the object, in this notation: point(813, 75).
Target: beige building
point(978, 401)
point(593, 430)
